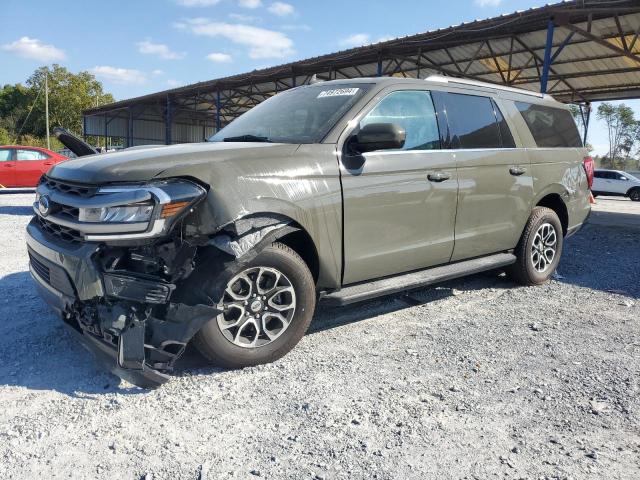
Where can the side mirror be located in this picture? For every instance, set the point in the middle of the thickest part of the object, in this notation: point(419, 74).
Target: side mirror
point(378, 136)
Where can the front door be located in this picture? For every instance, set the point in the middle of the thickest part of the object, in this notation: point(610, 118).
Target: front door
point(7, 168)
point(400, 205)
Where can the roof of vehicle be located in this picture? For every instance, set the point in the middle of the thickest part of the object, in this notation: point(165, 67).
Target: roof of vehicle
point(439, 80)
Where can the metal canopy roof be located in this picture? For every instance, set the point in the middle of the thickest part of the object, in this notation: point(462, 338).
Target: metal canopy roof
point(578, 51)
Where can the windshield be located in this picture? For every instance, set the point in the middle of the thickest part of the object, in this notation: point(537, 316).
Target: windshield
point(301, 115)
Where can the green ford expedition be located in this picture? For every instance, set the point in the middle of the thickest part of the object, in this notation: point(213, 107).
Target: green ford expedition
point(335, 192)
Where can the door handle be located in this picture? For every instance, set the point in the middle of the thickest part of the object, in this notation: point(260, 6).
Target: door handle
point(439, 176)
point(517, 171)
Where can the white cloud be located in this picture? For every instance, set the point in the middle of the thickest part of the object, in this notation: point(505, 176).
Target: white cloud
point(119, 75)
point(174, 83)
point(157, 72)
point(487, 3)
point(250, 3)
point(262, 43)
point(355, 40)
point(239, 17)
point(219, 57)
point(197, 3)
point(159, 49)
point(281, 9)
point(33, 48)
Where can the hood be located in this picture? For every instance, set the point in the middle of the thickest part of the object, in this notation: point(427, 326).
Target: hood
point(73, 143)
point(142, 164)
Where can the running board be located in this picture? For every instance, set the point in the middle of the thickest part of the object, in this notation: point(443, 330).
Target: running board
point(408, 281)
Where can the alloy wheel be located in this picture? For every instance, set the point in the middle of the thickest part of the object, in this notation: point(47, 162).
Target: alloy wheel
point(544, 247)
point(258, 305)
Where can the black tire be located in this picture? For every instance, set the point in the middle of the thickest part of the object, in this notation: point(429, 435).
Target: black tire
point(634, 195)
point(220, 350)
point(524, 271)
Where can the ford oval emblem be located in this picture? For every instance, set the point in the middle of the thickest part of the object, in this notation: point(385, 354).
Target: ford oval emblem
point(44, 205)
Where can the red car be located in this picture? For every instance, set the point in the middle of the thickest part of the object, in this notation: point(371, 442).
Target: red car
point(23, 166)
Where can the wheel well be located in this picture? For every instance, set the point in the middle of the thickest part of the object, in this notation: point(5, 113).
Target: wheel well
point(303, 245)
point(555, 203)
point(631, 190)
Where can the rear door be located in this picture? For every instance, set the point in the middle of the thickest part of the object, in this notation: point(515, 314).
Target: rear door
point(7, 168)
point(399, 205)
point(495, 181)
point(30, 165)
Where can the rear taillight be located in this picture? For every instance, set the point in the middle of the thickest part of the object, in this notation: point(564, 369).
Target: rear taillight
point(588, 169)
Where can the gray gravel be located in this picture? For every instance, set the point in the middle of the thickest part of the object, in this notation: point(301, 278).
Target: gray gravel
point(477, 378)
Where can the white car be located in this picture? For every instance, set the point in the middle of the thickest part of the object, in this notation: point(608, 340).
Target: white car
point(616, 182)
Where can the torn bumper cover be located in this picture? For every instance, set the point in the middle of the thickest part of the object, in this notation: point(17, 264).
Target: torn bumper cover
point(126, 320)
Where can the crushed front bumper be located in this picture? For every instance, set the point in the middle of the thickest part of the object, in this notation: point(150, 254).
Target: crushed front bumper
point(135, 340)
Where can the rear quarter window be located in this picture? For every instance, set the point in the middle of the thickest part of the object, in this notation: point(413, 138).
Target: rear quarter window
point(550, 127)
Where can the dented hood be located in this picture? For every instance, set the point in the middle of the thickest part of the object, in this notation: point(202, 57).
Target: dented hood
point(146, 163)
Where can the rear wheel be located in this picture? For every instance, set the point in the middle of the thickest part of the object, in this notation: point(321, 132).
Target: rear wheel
point(635, 194)
point(539, 249)
point(267, 307)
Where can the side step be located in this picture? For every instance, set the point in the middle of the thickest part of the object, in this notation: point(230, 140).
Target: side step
point(406, 281)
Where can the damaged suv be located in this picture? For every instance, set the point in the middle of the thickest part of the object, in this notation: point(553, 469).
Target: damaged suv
point(339, 191)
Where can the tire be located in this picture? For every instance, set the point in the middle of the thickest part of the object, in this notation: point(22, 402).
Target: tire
point(634, 195)
point(527, 269)
point(265, 339)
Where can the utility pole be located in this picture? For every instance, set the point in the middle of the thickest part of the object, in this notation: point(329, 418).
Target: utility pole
point(46, 105)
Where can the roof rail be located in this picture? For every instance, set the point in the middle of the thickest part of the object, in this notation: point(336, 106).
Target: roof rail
point(464, 81)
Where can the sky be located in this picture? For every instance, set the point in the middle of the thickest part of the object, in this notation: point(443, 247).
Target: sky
point(137, 47)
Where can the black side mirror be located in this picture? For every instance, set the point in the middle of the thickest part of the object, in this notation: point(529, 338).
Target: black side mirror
point(378, 136)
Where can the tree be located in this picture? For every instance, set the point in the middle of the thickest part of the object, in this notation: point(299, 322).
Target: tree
point(622, 129)
point(69, 94)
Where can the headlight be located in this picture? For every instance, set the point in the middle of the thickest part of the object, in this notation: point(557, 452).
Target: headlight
point(136, 213)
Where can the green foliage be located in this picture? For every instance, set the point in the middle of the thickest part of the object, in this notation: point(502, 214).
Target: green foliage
point(69, 94)
point(622, 129)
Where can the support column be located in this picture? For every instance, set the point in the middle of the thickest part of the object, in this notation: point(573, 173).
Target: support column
point(379, 65)
point(106, 124)
point(130, 128)
point(586, 119)
point(84, 128)
point(168, 120)
point(547, 57)
point(218, 118)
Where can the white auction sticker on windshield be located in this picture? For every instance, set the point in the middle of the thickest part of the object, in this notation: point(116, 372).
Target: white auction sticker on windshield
point(339, 92)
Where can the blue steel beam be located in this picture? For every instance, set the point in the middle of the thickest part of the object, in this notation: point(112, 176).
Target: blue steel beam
point(547, 57)
point(168, 120)
point(218, 104)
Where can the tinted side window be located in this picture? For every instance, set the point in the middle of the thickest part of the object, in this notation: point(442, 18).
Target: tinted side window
point(5, 154)
point(30, 155)
point(597, 174)
point(412, 110)
point(505, 133)
point(550, 127)
point(472, 121)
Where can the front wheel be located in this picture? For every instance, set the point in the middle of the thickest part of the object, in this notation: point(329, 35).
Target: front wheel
point(539, 249)
point(267, 307)
point(634, 195)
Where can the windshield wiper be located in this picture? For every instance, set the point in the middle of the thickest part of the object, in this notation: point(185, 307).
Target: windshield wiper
point(246, 138)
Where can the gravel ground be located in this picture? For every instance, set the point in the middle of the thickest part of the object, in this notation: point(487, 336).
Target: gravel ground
point(476, 378)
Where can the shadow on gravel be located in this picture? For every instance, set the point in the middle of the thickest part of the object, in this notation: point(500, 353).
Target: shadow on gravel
point(17, 190)
point(16, 210)
point(603, 257)
point(36, 351)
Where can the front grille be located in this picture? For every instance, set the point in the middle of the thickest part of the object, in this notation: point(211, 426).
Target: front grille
point(40, 268)
point(70, 188)
point(67, 212)
point(58, 231)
